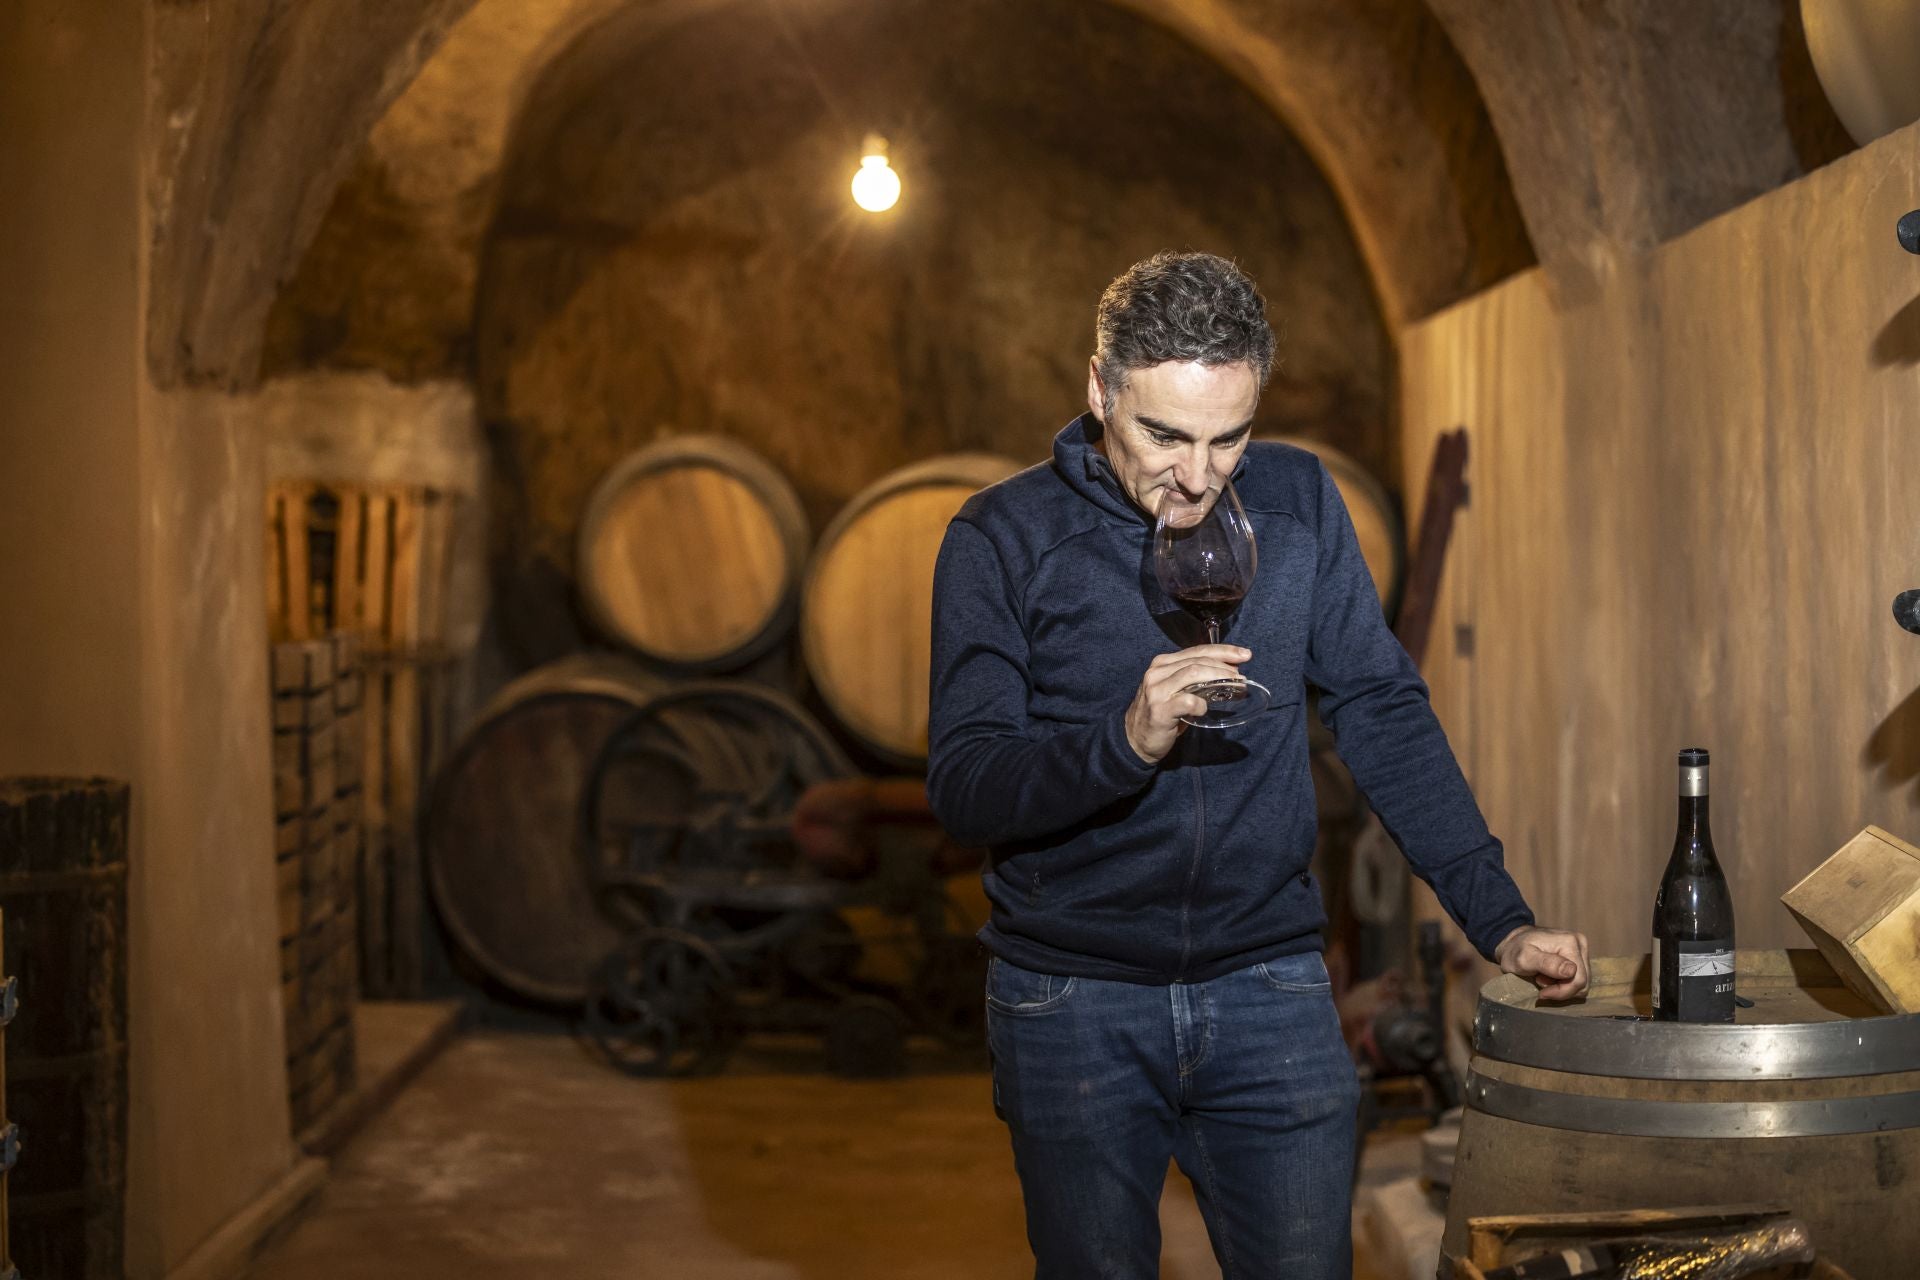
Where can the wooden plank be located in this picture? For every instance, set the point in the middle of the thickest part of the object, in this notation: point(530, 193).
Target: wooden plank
point(376, 605)
point(1498, 1241)
point(375, 609)
point(276, 566)
point(436, 516)
point(403, 623)
point(299, 584)
point(403, 783)
point(349, 567)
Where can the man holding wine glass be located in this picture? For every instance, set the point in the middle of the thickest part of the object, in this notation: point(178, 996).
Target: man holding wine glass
point(1123, 641)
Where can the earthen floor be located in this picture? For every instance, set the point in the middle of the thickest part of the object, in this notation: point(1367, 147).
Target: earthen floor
point(519, 1154)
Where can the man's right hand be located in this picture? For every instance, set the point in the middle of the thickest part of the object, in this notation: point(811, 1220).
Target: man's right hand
point(1153, 720)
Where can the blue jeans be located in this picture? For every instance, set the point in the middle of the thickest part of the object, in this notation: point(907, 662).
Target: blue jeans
point(1244, 1080)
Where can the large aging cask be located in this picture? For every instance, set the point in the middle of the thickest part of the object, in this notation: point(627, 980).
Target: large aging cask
point(501, 836)
point(866, 613)
point(1376, 520)
point(689, 552)
point(1809, 1100)
point(63, 887)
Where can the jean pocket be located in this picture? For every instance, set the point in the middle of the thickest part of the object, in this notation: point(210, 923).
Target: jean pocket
point(1011, 989)
point(1304, 974)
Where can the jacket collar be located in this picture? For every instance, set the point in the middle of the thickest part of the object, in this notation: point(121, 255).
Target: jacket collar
point(1089, 474)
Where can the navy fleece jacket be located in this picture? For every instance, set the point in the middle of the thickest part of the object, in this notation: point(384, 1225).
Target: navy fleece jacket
point(1045, 616)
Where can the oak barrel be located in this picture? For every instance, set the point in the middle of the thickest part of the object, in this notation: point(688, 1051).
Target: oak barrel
point(1809, 1100)
point(63, 889)
point(1376, 520)
point(500, 832)
point(866, 612)
point(689, 551)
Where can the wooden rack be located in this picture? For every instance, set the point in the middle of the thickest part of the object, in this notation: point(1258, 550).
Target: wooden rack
point(375, 561)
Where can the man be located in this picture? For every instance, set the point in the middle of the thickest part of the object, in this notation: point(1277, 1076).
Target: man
point(1156, 989)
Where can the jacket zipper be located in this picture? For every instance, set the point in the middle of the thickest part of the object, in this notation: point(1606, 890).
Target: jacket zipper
point(1199, 852)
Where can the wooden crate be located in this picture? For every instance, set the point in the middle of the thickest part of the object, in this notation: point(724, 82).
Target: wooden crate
point(375, 562)
point(316, 796)
point(1862, 909)
point(1504, 1240)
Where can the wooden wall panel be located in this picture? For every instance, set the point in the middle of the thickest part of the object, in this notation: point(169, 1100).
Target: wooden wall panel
point(1685, 529)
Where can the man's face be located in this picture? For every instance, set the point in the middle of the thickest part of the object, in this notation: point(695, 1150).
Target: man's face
point(1180, 425)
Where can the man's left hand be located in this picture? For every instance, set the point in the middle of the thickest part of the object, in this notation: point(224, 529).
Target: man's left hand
point(1555, 960)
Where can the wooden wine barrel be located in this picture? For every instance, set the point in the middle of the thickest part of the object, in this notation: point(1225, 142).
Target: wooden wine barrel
point(866, 612)
point(63, 889)
point(501, 849)
point(1808, 1101)
point(1376, 521)
point(689, 551)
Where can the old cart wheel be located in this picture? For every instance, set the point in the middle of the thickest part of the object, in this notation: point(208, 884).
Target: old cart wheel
point(663, 1006)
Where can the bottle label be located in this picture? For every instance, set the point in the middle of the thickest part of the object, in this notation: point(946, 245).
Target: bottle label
point(1705, 980)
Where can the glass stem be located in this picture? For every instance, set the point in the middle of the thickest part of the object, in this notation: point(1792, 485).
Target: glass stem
point(1213, 631)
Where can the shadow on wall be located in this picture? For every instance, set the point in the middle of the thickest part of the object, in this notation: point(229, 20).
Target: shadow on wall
point(1893, 749)
point(1899, 342)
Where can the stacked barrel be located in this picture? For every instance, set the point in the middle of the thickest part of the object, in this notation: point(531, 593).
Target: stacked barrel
point(693, 561)
point(317, 788)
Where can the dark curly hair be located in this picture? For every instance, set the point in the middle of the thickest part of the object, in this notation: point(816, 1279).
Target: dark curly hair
point(1180, 306)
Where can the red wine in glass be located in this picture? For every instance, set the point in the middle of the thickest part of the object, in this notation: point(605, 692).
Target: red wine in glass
point(1205, 557)
point(1211, 604)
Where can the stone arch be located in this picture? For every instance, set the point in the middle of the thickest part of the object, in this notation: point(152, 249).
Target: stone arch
point(1374, 92)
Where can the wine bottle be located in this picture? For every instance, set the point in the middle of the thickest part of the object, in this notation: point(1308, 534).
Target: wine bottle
point(1693, 914)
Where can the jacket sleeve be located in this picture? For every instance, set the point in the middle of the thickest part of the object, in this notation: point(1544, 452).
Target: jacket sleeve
point(991, 777)
point(1376, 704)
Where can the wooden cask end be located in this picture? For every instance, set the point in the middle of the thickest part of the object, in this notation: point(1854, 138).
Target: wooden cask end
point(867, 607)
point(503, 822)
point(1376, 520)
point(63, 888)
point(1809, 1101)
point(689, 551)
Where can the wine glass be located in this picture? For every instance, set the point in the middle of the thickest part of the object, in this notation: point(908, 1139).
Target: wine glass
point(1204, 556)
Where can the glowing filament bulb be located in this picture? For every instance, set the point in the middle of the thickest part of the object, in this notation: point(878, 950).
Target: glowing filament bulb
point(876, 187)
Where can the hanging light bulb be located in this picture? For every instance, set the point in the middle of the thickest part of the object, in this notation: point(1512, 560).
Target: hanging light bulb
point(876, 187)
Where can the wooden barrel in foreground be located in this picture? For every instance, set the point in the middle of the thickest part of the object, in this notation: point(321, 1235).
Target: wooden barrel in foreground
point(1376, 521)
point(1809, 1101)
point(63, 844)
point(689, 551)
point(866, 613)
point(501, 832)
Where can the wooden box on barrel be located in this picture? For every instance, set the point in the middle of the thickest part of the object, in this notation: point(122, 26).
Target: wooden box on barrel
point(1811, 1100)
point(1861, 907)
